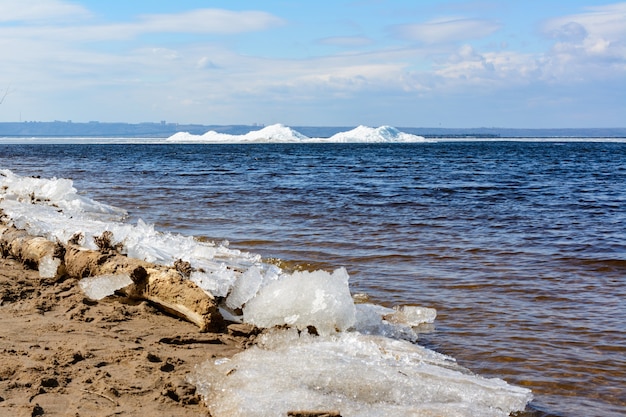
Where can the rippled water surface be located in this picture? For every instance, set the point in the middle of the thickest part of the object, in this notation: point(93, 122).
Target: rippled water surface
point(520, 246)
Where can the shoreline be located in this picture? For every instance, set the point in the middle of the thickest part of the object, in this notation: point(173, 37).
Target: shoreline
point(63, 354)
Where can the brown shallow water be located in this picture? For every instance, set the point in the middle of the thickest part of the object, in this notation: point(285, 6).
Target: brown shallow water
point(521, 247)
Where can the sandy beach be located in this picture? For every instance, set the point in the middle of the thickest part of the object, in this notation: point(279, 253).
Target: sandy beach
point(62, 354)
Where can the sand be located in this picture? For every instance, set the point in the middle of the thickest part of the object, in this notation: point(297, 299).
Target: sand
point(62, 354)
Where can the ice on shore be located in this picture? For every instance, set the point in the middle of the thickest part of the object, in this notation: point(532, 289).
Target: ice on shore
point(355, 374)
point(53, 209)
point(55, 193)
point(248, 284)
point(302, 299)
point(49, 266)
point(100, 286)
point(358, 365)
point(402, 322)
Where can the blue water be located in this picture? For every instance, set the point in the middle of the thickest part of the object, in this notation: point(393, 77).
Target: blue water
point(520, 246)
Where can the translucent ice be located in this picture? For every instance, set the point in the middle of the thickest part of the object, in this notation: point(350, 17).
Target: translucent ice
point(59, 193)
point(245, 288)
point(48, 267)
point(398, 323)
point(354, 374)
point(304, 299)
point(248, 284)
point(101, 286)
point(216, 281)
point(412, 315)
point(52, 208)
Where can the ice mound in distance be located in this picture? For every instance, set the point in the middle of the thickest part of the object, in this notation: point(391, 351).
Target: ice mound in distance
point(275, 133)
point(375, 135)
point(354, 374)
point(279, 133)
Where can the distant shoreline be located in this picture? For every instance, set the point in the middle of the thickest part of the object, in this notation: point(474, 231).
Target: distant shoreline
point(164, 130)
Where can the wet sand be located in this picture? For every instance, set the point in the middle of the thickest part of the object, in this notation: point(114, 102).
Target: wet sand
point(62, 354)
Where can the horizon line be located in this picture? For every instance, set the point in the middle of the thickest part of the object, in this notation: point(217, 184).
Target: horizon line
point(261, 125)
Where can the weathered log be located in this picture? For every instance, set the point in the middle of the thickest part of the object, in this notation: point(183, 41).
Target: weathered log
point(34, 252)
point(163, 286)
point(180, 296)
point(81, 263)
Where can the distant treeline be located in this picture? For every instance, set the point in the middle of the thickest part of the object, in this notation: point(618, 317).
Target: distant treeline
point(98, 129)
point(163, 129)
point(461, 135)
point(495, 132)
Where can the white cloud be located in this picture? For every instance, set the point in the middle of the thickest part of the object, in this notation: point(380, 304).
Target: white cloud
point(208, 21)
point(295, 80)
point(446, 30)
point(202, 21)
point(606, 21)
point(569, 32)
point(346, 41)
point(48, 57)
point(589, 48)
point(598, 33)
point(75, 63)
point(491, 70)
point(40, 10)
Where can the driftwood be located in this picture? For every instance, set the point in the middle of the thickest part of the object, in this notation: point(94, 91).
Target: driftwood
point(30, 250)
point(163, 286)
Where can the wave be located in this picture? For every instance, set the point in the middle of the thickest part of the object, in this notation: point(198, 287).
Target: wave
point(361, 358)
point(279, 133)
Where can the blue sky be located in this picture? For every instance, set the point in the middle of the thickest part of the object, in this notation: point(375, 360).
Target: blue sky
point(506, 63)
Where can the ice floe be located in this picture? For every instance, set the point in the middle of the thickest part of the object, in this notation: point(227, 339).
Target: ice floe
point(354, 374)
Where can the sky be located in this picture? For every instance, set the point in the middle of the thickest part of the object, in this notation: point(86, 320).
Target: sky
point(404, 63)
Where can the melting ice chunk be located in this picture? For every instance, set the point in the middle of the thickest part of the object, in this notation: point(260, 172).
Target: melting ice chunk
point(217, 282)
point(304, 299)
point(398, 323)
point(354, 374)
point(102, 286)
point(59, 193)
point(412, 315)
point(49, 266)
point(245, 288)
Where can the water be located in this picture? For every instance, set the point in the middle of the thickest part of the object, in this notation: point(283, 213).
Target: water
point(520, 246)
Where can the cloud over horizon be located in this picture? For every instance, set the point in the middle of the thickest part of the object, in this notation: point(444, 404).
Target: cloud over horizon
point(444, 30)
point(366, 65)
